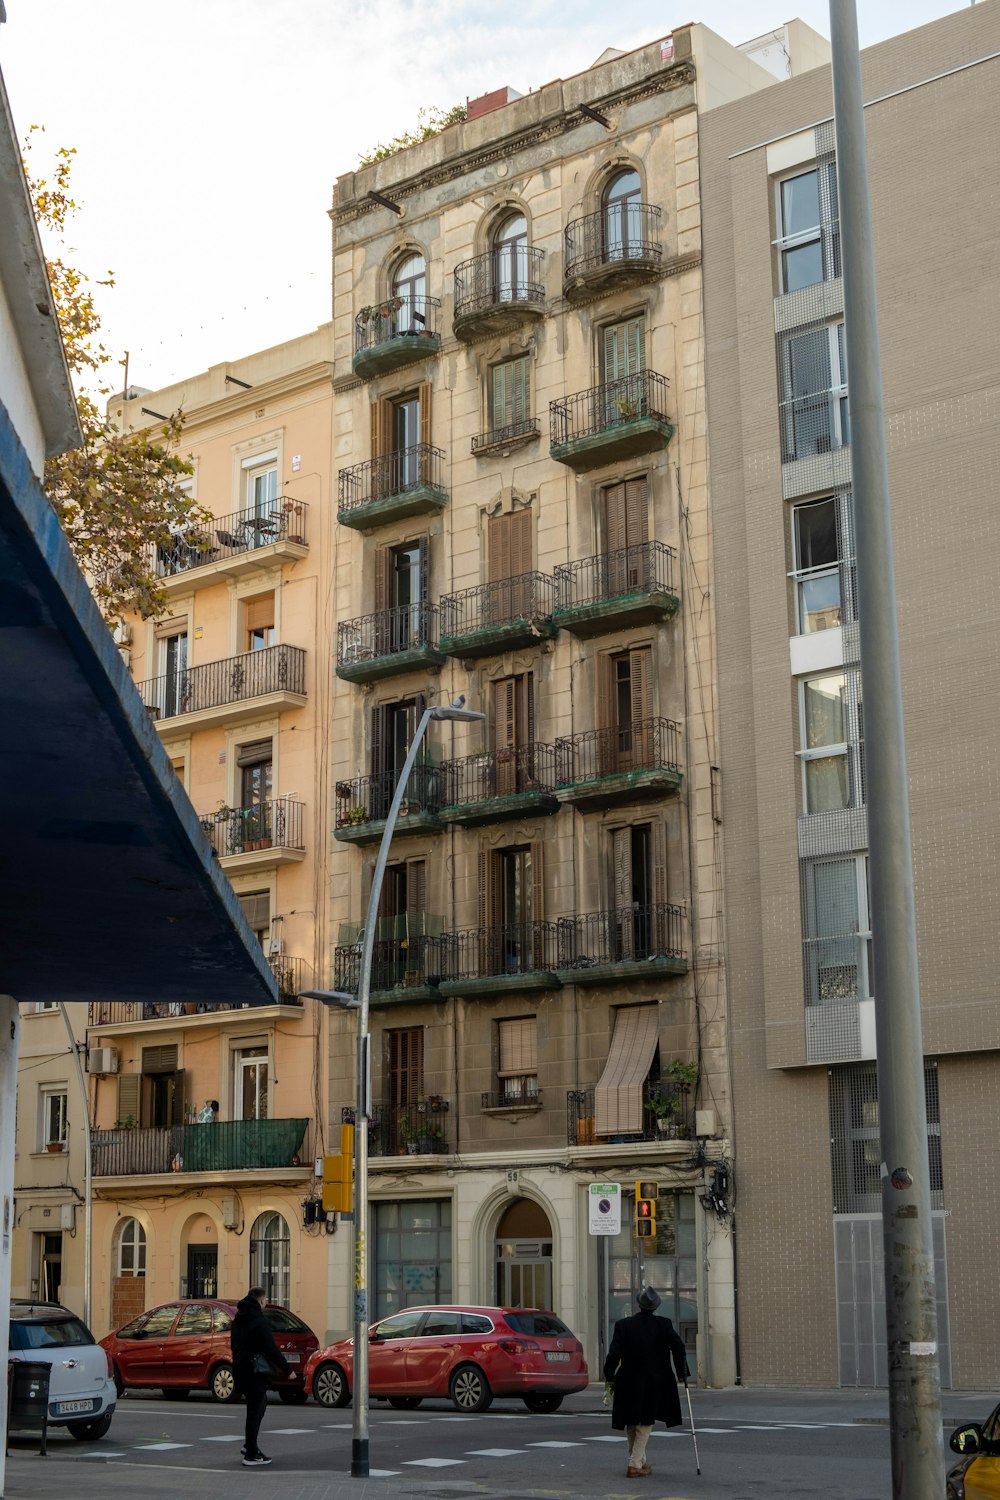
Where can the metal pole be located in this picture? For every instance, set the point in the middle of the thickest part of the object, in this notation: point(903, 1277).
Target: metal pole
point(88, 1171)
point(359, 1427)
point(911, 1321)
point(10, 1040)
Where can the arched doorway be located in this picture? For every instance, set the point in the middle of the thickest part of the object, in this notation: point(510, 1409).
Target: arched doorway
point(270, 1257)
point(523, 1256)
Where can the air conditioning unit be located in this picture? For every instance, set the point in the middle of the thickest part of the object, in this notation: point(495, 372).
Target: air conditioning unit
point(230, 1213)
point(103, 1060)
point(275, 947)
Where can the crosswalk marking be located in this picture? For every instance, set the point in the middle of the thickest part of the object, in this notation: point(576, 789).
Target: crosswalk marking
point(493, 1452)
point(433, 1463)
point(160, 1447)
point(554, 1443)
point(226, 1437)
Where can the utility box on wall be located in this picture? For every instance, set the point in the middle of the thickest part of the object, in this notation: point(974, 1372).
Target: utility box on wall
point(230, 1213)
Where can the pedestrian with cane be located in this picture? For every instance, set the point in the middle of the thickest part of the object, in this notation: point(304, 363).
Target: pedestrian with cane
point(255, 1359)
point(638, 1367)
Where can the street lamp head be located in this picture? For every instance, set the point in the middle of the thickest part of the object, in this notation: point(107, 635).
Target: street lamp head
point(339, 999)
point(457, 710)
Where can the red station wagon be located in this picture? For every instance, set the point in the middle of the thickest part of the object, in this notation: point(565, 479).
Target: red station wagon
point(468, 1353)
point(184, 1346)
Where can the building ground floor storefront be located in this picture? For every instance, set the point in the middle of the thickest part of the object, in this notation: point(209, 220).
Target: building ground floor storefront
point(519, 1235)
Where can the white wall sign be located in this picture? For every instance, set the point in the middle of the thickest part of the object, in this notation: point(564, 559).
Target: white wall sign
point(604, 1201)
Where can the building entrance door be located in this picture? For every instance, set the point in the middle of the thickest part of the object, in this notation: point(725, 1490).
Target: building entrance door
point(523, 1256)
point(202, 1270)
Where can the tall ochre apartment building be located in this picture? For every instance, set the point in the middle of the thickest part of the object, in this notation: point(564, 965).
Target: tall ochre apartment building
point(576, 445)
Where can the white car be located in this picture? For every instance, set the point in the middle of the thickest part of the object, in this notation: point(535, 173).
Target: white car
point(82, 1393)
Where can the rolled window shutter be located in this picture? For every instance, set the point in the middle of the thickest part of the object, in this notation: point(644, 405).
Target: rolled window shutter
point(254, 753)
point(175, 625)
point(424, 398)
point(260, 613)
point(256, 908)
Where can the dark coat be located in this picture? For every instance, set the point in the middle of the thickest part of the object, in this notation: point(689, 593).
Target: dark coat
point(638, 1363)
point(251, 1334)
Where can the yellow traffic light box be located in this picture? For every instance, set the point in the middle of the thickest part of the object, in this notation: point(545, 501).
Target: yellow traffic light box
point(646, 1194)
point(338, 1175)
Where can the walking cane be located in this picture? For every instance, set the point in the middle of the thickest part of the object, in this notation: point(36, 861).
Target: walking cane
point(694, 1435)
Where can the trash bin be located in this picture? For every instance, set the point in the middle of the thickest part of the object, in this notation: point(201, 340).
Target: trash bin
point(28, 1395)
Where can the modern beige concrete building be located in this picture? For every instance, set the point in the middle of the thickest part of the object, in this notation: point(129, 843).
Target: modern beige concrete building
point(190, 1200)
point(523, 519)
point(800, 1002)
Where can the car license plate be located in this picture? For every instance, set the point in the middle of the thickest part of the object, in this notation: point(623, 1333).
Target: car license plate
point(553, 1355)
point(294, 1359)
point(63, 1408)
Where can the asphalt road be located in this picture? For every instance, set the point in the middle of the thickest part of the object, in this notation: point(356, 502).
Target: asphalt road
point(827, 1445)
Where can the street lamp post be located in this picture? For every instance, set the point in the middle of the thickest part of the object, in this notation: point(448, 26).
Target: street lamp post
point(360, 1003)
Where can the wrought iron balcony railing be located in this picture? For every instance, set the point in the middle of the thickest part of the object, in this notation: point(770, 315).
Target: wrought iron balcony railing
point(627, 934)
point(225, 1146)
point(276, 824)
point(400, 1129)
point(292, 974)
point(491, 606)
point(614, 235)
point(608, 406)
point(647, 567)
point(646, 745)
point(498, 279)
point(406, 959)
point(514, 433)
point(396, 318)
point(513, 1092)
point(402, 472)
point(494, 952)
point(367, 799)
point(667, 1115)
point(253, 674)
point(499, 773)
point(388, 632)
point(281, 520)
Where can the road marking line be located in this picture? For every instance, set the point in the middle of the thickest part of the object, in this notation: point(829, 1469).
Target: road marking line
point(383, 1473)
point(554, 1443)
point(158, 1447)
point(433, 1463)
point(227, 1437)
point(493, 1452)
point(288, 1431)
point(612, 1437)
point(101, 1455)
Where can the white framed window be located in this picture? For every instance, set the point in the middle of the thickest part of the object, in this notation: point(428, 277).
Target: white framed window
point(831, 742)
point(814, 408)
point(52, 1115)
point(260, 497)
point(271, 1257)
point(816, 550)
point(251, 1074)
point(130, 1248)
point(807, 217)
point(517, 1070)
point(837, 930)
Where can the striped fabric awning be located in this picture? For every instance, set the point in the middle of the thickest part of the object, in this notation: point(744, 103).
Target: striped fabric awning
point(618, 1095)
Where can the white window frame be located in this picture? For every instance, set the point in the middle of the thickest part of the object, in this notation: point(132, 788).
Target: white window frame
point(813, 234)
point(836, 392)
point(850, 747)
point(254, 467)
point(48, 1093)
point(861, 928)
point(800, 575)
point(240, 1060)
point(130, 1234)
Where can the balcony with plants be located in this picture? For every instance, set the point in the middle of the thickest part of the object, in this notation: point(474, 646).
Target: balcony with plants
point(516, 781)
point(498, 291)
point(419, 1129)
point(392, 334)
point(621, 419)
point(496, 617)
point(243, 542)
point(388, 643)
point(230, 691)
point(362, 805)
point(264, 834)
point(405, 959)
point(621, 943)
point(224, 1146)
point(611, 249)
point(629, 586)
point(601, 768)
point(392, 487)
point(667, 1110)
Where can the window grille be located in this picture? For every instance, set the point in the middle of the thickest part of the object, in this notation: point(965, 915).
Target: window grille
point(855, 1141)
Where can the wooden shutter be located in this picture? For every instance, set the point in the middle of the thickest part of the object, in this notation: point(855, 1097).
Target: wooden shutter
point(424, 569)
point(380, 738)
point(403, 1061)
point(500, 407)
point(499, 548)
point(518, 1046)
point(521, 394)
point(661, 887)
point(383, 575)
point(381, 427)
point(640, 682)
point(128, 1097)
point(623, 922)
point(260, 613)
point(416, 890)
point(159, 1059)
point(505, 735)
point(615, 519)
point(537, 911)
point(624, 349)
point(175, 1098)
point(424, 399)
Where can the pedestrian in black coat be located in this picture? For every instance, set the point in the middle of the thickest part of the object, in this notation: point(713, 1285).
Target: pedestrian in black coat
point(645, 1391)
point(253, 1342)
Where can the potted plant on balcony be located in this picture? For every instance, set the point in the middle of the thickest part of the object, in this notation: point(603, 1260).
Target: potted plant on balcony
point(358, 814)
point(54, 1147)
point(294, 510)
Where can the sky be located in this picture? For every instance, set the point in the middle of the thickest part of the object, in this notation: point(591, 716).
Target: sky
point(209, 132)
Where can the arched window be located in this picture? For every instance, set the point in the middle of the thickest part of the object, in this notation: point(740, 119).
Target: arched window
point(622, 217)
point(130, 1248)
point(510, 259)
point(270, 1257)
point(409, 289)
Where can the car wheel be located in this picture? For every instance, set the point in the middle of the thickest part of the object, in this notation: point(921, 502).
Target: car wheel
point(543, 1401)
point(292, 1395)
point(405, 1403)
point(330, 1386)
point(176, 1392)
point(89, 1432)
point(221, 1383)
point(470, 1390)
point(119, 1384)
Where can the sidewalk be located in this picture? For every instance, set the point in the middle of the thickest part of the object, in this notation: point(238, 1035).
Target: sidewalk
point(67, 1473)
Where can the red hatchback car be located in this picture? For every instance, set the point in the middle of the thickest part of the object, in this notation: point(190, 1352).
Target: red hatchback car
point(184, 1346)
point(468, 1353)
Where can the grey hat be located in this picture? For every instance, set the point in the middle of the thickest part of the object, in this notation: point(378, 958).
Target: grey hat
point(648, 1299)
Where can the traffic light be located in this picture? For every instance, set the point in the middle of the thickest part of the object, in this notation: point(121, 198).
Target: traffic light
point(338, 1175)
point(645, 1210)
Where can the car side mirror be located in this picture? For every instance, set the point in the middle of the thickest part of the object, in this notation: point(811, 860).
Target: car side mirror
point(967, 1440)
point(373, 1336)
